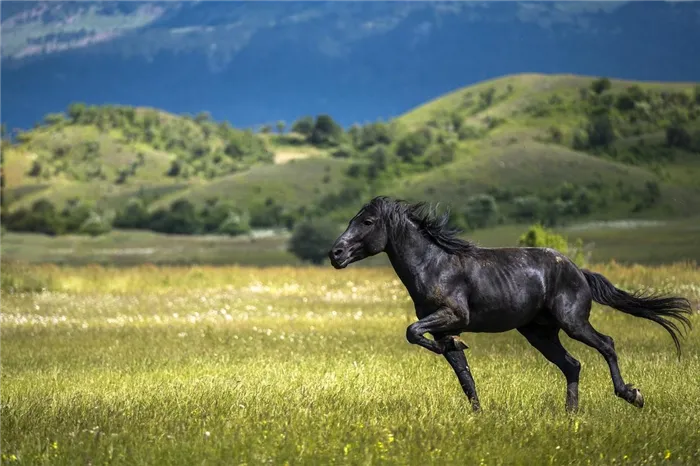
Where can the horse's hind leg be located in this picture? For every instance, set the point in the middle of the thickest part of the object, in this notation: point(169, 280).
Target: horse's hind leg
point(545, 337)
point(577, 326)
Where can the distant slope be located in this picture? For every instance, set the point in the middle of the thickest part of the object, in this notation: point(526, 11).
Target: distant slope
point(552, 147)
point(295, 184)
point(531, 133)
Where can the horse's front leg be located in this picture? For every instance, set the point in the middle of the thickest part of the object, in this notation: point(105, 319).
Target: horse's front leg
point(442, 321)
point(454, 353)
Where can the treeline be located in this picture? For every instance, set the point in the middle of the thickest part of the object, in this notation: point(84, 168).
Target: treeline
point(216, 216)
point(180, 217)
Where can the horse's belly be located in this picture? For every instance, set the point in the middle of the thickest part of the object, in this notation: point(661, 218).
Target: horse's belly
point(500, 319)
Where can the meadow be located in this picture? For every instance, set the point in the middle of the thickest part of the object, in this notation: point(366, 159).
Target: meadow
point(293, 365)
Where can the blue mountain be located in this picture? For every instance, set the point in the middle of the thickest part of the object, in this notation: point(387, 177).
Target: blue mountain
point(258, 62)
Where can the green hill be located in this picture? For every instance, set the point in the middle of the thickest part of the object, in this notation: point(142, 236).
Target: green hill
point(552, 148)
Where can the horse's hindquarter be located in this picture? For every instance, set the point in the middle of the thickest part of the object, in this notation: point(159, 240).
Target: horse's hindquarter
point(507, 288)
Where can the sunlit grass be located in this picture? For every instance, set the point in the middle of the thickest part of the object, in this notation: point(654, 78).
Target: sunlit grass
point(238, 365)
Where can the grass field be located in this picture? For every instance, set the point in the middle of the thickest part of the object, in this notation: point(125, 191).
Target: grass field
point(235, 365)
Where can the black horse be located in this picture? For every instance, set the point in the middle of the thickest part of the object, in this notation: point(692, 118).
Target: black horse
point(458, 287)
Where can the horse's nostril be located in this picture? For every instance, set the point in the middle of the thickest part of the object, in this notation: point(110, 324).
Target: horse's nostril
point(337, 252)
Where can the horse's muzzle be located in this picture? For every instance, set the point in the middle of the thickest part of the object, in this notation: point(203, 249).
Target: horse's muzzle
point(339, 257)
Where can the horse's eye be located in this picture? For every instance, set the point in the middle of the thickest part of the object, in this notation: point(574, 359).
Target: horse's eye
point(367, 222)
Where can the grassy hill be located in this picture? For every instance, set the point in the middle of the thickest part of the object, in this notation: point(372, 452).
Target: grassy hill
point(559, 149)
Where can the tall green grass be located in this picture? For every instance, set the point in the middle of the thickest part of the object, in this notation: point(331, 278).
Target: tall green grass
point(238, 365)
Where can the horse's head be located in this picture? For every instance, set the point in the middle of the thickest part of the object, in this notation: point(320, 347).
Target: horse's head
point(365, 236)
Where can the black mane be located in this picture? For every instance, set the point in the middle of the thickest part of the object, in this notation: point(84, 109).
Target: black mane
point(435, 228)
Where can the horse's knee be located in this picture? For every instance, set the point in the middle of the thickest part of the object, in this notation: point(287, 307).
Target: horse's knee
point(412, 334)
point(573, 368)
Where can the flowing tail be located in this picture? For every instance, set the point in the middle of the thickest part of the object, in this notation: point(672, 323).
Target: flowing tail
point(646, 305)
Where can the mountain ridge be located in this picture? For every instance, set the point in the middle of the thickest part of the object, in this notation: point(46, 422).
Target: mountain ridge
point(358, 62)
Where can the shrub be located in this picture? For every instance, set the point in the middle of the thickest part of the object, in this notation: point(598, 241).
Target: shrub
point(527, 208)
point(95, 225)
point(326, 132)
point(600, 85)
point(133, 215)
point(414, 144)
point(181, 218)
point(439, 154)
point(481, 211)
point(75, 214)
point(601, 132)
point(342, 152)
point(235, 224)
point(35, 170)
point(555, 135)
point(468, 132)
point(538, 237)
point(678, 136)
point(303, 125)
point(312, 239)
point(267, 215)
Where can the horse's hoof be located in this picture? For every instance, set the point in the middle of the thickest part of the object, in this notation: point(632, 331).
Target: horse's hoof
point(638, 398)
point(459, 343)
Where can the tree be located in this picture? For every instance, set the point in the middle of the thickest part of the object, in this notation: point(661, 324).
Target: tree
point(95, 225)
point(269, 214)
point(202, 117)
point(371, 134)
point(75, 214)
point(413, 145)
point(281, 126)
point(76, 111)
point(326, 131)
point(555, 135)
point(601, 132)
point(235, 224)
point(439, 154)
point(181, 218)
point(600, 85)
point(304, 126)
point(133, 215)
point(312, 239)
point(343, 152)
point(527, 208)
point(35, 170)
point(481, 211)
point(678, 136)
point(486, 98)
point(54, 119)
point(175, 168)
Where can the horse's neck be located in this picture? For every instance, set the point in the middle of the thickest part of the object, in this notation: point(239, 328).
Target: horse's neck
point(409, 256)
